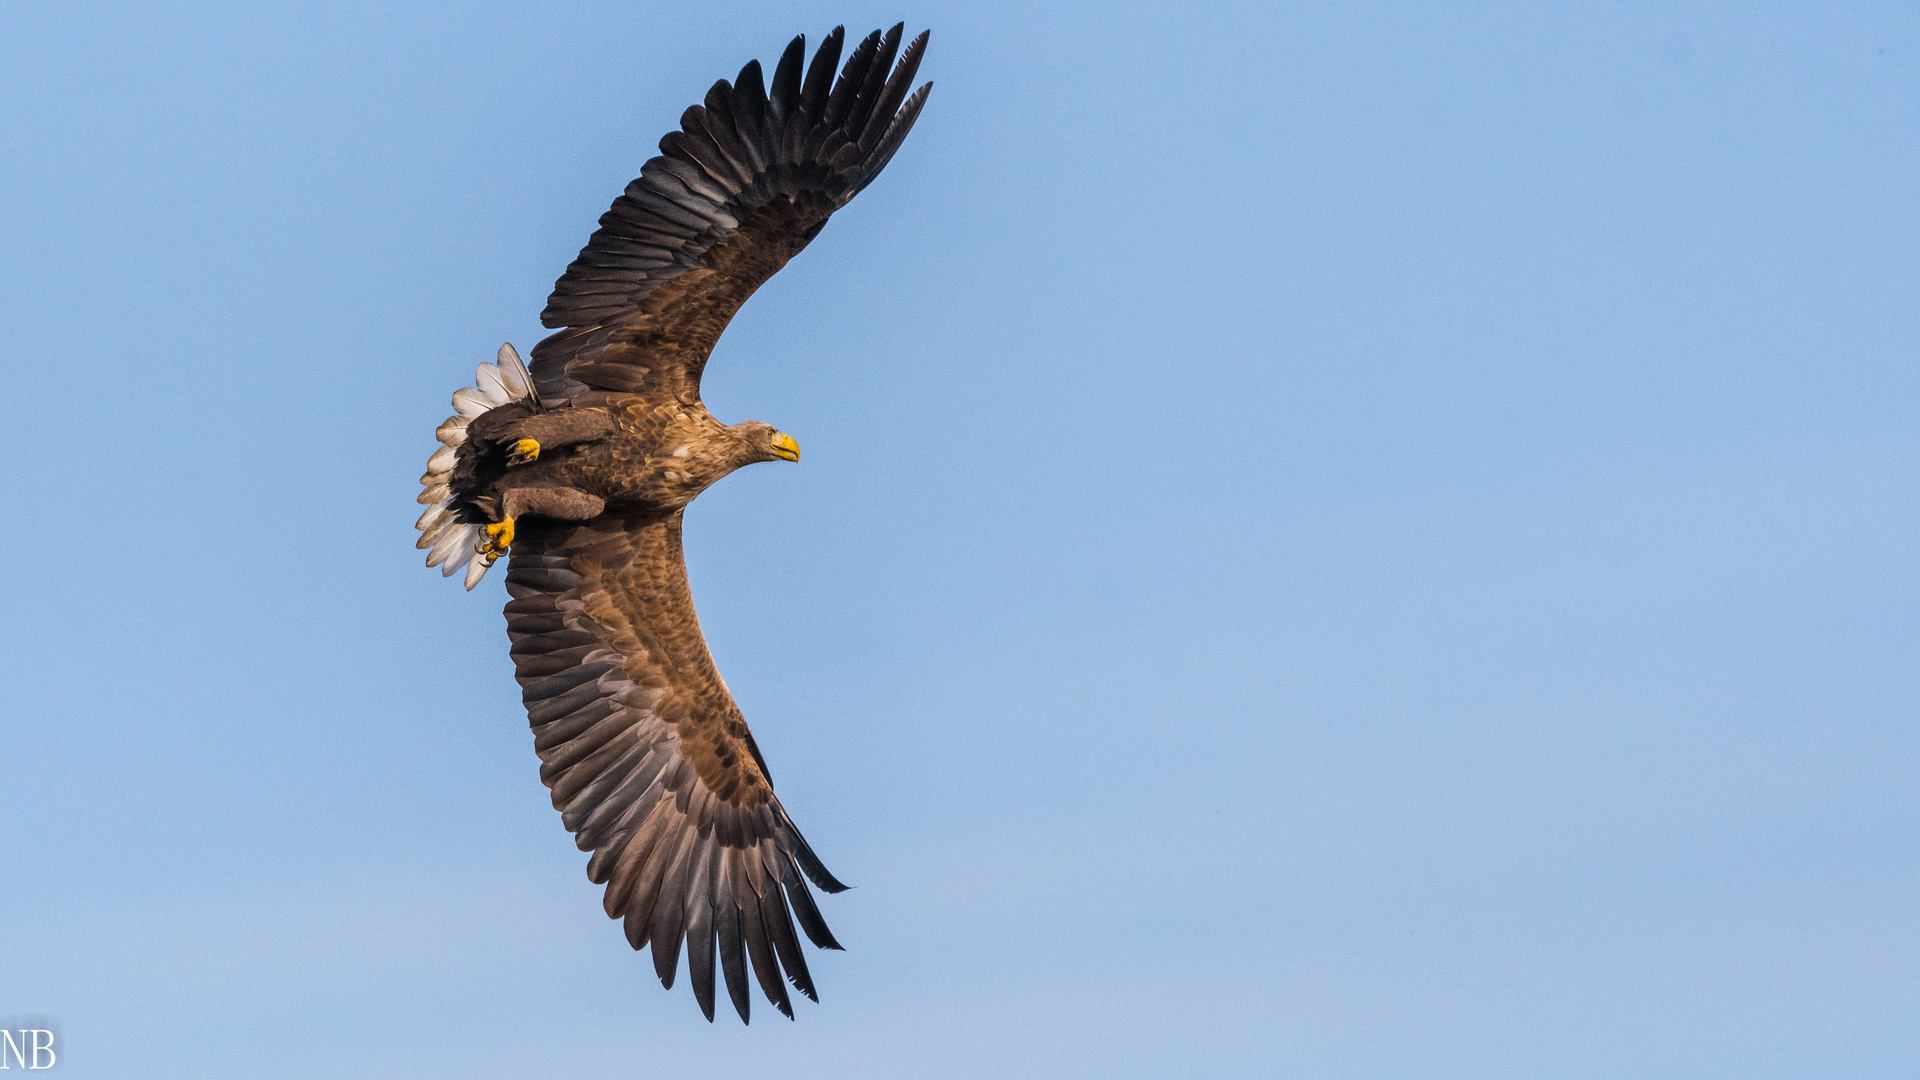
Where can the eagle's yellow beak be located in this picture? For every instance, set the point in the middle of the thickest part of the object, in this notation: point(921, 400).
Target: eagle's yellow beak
point(784, 446)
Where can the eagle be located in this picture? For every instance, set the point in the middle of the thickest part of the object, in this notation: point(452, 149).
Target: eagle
point(578, 470)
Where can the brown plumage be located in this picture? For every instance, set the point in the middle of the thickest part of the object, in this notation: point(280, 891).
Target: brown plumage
point(649, 760)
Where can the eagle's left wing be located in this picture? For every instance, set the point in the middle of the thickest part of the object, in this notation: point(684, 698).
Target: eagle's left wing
point(650, 762)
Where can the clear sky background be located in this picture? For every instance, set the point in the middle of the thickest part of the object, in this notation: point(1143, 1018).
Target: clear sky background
point(1335, 540)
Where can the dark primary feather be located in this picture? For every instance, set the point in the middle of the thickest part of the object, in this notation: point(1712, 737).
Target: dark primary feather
point(786, 79)
point(746, 182)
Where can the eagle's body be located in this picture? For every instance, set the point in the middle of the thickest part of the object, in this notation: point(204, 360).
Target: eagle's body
point(632, 452)
point(580, 471)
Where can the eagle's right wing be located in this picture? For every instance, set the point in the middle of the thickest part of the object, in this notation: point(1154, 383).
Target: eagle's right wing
point(748, 180)
point(650, 762)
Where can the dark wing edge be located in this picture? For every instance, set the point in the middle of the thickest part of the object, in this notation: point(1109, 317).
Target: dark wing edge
point(678, 861)
point(815, 142)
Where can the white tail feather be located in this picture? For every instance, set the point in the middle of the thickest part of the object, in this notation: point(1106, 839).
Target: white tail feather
point(432, 536)
point(486, 378)
point(442, 547)
point(457, 541)
point(514, 374)
point(469, 402)
point(453, 544)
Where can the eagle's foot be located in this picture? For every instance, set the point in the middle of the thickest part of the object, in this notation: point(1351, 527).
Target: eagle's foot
point(499, 539)
point(524, 451)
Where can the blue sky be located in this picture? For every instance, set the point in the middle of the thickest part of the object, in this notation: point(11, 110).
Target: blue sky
point(1335, 541)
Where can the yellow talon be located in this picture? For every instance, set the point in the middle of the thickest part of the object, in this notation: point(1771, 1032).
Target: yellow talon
point(524, 451)
point(499, 539)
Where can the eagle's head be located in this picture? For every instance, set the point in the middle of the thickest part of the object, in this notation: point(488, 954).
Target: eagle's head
point(763, 442)
point(706, 450)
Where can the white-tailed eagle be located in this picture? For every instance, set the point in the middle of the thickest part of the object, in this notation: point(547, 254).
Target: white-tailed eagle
point(579, 471)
